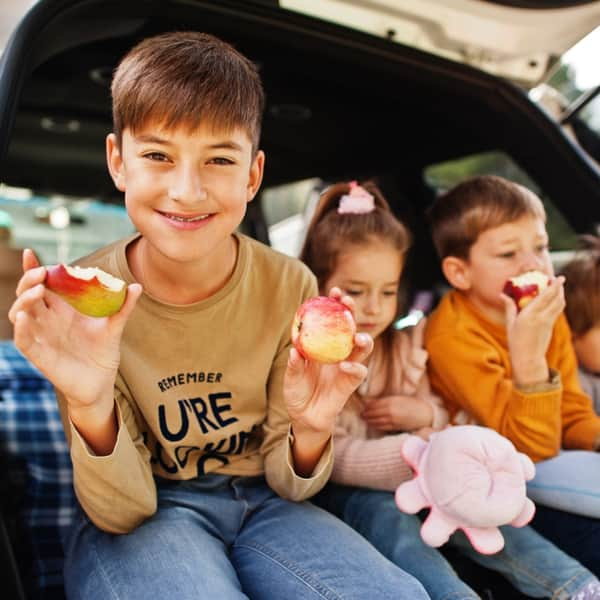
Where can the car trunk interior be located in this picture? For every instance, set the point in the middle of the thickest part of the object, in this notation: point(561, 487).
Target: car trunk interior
point(340, 105)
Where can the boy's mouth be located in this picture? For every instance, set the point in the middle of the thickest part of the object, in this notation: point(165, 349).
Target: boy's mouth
point(183, 218)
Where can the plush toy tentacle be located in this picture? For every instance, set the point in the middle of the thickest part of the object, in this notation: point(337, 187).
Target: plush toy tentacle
point(525, 515)
point(436, 529)
point(528, 466)
point(486, 540)
point(412, 450)
point(410, 498)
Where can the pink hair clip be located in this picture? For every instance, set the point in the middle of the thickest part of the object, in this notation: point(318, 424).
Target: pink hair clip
point(357, 202)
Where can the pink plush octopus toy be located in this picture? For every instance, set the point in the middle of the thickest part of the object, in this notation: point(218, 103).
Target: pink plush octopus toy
point(471, 478)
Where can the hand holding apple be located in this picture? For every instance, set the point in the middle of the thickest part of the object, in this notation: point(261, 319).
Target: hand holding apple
point(324, 330)
point(78, 354)
point(315, 392)
point(529, 331)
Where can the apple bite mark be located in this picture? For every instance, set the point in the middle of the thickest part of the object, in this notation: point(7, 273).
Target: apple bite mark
point(91, 290)
point(323, 330)
point(524, 288)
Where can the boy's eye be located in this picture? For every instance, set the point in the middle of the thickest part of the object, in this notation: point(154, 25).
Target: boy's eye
point(157, 156)
point(389, 293)
point(510, 254)
point(353, 292)
point(219, 160)
point(542, 248)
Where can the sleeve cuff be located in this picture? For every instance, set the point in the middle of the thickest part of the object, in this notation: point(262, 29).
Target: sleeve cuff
point(322, 468)
point(82, 445)
point(553, 383)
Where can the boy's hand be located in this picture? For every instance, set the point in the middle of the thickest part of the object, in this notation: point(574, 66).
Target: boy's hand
point(78, 354)
point(529, 332)
point(315, 394)
point(398, 413)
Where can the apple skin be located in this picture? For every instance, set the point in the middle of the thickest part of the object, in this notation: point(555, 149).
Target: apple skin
point(89, 296)
point(524, 288)
point(323, 330)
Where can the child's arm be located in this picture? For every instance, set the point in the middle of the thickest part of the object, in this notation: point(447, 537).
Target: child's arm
point(372, 463)
point(412, 406)
point(315, 394)
point(470, 368)
point(80, 356)
point(529, 333)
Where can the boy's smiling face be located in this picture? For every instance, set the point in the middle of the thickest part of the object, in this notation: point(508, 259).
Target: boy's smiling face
point(186, 191)
point(498, 254)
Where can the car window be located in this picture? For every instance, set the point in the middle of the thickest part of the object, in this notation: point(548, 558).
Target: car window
point(287, 209)
point(61, 228)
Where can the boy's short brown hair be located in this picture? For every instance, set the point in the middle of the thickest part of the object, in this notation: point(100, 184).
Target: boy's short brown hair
point(182, 78)
point(582, 287)
point(462, 214)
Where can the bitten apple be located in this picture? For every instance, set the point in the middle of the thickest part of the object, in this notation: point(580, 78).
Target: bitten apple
point(323, 330)
point(91, 290)
point(524, 288)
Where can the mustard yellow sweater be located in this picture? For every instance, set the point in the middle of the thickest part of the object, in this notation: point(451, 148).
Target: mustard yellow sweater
point(470, 368)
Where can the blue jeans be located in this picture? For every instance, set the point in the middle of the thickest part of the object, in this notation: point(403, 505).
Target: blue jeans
point(227, 538)
point(577, 535)
point(568, 482)
point(531, 563)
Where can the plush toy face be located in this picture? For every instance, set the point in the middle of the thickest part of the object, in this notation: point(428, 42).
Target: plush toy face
point(471, 478)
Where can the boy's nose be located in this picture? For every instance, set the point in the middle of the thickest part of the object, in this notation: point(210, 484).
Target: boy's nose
point(532, 261)
point(187, 187)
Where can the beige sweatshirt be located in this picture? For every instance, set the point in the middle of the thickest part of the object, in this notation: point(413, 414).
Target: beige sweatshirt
point(199, 390)
point(366, 457)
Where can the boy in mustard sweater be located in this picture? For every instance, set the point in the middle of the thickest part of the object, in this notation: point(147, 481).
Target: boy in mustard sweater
point(515, 372)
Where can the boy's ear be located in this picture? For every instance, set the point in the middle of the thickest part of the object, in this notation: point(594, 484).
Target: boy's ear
point(257, 169)
point(115, 162)
point(457, 272)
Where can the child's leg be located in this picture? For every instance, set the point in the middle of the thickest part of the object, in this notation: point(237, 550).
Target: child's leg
point(569, 482)
point(176, 554)
point(396, 535)
point(296, 550)
point(577, 535)
point(531, 563)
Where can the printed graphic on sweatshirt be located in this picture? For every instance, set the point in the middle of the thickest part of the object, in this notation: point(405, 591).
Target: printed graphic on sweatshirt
point(197, 416)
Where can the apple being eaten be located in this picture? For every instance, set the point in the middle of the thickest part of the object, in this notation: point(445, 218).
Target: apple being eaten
point(524, 288)
point(323, 330)
point(90, 290)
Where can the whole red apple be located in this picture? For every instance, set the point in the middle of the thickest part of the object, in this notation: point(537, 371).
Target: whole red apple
point(323, 330)
point(524, 288)
point(91, 290)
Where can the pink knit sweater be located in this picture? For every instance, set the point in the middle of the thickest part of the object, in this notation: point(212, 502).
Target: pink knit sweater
point(366, 457)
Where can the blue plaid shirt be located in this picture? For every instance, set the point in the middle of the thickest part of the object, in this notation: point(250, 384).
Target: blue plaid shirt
point(31, 432)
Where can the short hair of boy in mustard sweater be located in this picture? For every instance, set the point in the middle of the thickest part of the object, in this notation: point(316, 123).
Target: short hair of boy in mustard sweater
point(582, 295)
point(190, 419)
point(512, 371)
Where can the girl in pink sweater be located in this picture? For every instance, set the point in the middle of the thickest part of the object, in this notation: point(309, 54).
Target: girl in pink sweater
point(355, 242)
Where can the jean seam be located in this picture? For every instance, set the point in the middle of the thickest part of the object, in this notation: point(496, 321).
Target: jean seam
point(301, 575)
point(562, 593)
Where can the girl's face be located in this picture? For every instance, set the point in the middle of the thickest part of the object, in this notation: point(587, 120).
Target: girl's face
point(370, 274)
